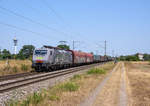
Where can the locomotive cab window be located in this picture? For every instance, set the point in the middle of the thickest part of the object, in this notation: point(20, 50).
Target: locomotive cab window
point(40, 52)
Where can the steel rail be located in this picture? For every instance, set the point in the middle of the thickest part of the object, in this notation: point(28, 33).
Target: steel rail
point(33, 79)
point(13, 76)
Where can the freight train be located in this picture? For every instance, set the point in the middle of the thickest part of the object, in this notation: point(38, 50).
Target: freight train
point(48, 58)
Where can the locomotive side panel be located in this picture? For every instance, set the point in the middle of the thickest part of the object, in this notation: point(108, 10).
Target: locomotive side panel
point(62, 57)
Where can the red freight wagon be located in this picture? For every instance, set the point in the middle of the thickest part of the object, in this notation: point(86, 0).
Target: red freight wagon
point(82, 57)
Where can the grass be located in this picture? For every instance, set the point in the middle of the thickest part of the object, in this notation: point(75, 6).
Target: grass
point(14, 66)
point(15, 69)
point(36, 98)
point(24, 67)
point(52, 94)
point(69, 87)
point(76, 77)
point(96, 71)
point(53, 97)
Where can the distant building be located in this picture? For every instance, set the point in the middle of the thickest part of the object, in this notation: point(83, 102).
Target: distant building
point(141, 56)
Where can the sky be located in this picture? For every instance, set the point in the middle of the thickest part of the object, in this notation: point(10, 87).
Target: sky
point(124, 24)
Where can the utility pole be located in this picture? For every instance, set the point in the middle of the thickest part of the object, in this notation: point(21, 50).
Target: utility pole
point(0, 50)
point(73, 44)
point(112, 53)
point(105, 48)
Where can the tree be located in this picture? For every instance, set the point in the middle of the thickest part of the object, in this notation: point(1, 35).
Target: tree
point(64, 47)
point(129, 58)
point(26, 52)
point(5, 54)
point(146, 57)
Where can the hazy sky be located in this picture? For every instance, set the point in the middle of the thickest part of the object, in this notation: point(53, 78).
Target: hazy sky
point(125, 24)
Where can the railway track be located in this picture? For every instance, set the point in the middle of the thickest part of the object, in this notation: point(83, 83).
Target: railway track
point(13, 76)
point(30, 79)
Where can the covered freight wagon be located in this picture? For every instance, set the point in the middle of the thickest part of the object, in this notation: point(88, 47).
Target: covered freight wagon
point(80, 58)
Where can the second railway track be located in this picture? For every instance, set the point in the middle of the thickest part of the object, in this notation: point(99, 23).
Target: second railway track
point(26, 80)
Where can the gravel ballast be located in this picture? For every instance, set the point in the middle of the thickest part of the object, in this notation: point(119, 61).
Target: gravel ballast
point(22, 92)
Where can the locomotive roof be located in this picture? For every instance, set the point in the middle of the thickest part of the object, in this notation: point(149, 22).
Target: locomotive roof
point(51, 47)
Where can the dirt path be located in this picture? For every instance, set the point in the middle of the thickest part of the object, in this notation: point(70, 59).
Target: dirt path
point(123, 90)
point(112, 90)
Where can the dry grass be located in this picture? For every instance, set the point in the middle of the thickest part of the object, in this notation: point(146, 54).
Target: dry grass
point(109, 94)
point(72, 92)
point(139, 78)
point(14, 66)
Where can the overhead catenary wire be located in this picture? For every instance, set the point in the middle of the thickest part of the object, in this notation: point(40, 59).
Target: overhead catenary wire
point(50, 8)
point(57, 15)
point(32, 21)
point(22, 29)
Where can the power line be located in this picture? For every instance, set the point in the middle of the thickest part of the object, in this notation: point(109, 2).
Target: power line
point(105, 47)
point(22, 29)
point(57, 14)
point(31, 20)
point(50, 8)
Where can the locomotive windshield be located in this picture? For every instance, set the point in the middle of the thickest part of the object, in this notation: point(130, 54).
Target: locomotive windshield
point(40, 52)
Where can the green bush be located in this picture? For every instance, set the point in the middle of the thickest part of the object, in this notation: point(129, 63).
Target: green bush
point(96, 71)
point(24, 67)
point(69, 86)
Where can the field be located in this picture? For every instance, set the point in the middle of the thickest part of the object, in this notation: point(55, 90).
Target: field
point(8, 67)
point(138, 83)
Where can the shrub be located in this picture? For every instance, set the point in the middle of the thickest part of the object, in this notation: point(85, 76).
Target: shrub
point(96, 71)
point(24, 67)
point(69, 86)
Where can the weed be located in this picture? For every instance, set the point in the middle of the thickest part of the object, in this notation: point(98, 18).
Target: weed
point(26, 102)
point(12, 103)
point(69, 86)
point(6, 68)
point(36, 98)
point(15, 69)
point(53, 97)
point(96, 71)
point(76, 77)
point(24, 67)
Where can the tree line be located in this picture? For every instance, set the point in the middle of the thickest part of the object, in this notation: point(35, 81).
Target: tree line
point(135, 57)
point(25, 53)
